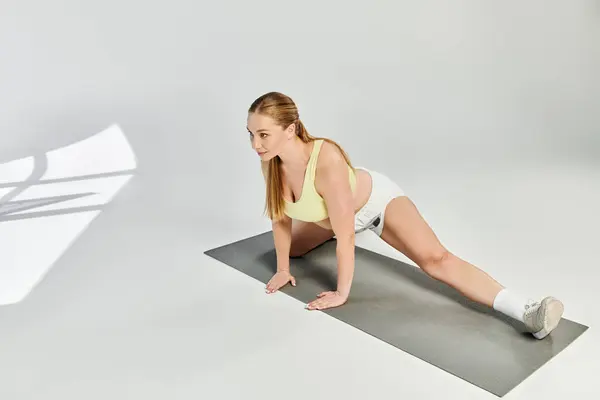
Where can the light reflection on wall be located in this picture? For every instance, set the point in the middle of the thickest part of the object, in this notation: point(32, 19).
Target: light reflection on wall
point(47, 201)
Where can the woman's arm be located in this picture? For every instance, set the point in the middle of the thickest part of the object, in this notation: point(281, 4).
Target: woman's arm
point(282, 233)
point(336, 191)
point(282, 236)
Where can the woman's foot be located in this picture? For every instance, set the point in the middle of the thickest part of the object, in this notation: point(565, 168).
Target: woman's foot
point(541, 317)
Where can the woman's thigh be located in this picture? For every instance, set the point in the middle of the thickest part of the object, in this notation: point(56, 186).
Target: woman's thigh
point(406, 230)
point(306, 236)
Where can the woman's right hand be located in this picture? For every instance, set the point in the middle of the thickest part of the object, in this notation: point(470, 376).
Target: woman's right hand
point(280, 279)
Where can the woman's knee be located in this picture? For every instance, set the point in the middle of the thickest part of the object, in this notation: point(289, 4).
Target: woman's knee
point(306, 236)
point(436, 262)
point(297, 251)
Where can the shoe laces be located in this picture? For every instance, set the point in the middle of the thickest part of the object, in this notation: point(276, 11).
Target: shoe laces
point(531, 306)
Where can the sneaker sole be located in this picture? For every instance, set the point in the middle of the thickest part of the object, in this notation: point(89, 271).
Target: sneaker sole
point(553, 310)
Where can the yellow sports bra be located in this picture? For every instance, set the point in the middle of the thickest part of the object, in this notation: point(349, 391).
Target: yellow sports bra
point(311, 207)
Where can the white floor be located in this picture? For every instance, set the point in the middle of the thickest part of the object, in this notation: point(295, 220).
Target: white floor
point(492, 131)
point(133, 309)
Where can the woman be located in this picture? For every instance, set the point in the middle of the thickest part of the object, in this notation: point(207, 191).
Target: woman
point(313, 193)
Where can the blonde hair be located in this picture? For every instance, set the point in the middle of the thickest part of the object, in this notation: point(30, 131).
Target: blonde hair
point(284, 112)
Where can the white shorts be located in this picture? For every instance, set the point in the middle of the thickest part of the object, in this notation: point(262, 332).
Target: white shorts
point(372, 214)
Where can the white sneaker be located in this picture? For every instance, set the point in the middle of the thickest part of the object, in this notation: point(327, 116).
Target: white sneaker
point(541, 318)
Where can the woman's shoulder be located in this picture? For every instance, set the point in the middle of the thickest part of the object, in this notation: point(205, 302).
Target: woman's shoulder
point(329, 155)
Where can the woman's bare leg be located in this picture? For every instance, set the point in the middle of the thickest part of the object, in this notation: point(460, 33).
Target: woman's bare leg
point(307, 236)
point(407, 231)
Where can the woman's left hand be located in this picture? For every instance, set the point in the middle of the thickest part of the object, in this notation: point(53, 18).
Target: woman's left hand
point(327, 300)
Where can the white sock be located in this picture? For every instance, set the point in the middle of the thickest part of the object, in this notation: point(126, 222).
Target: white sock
point(510, 303)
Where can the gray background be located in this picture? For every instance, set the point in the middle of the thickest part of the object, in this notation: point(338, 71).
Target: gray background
point(485, 112)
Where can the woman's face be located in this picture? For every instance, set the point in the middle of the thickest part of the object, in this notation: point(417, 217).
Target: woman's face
point(267, 138)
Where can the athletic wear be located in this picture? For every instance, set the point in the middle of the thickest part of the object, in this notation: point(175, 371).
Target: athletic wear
point(372, 214)
point(511, 304)
point(540, 317)
point(311, 206)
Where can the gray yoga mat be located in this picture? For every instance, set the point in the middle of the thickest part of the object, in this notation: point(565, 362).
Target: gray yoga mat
point(402, 306)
